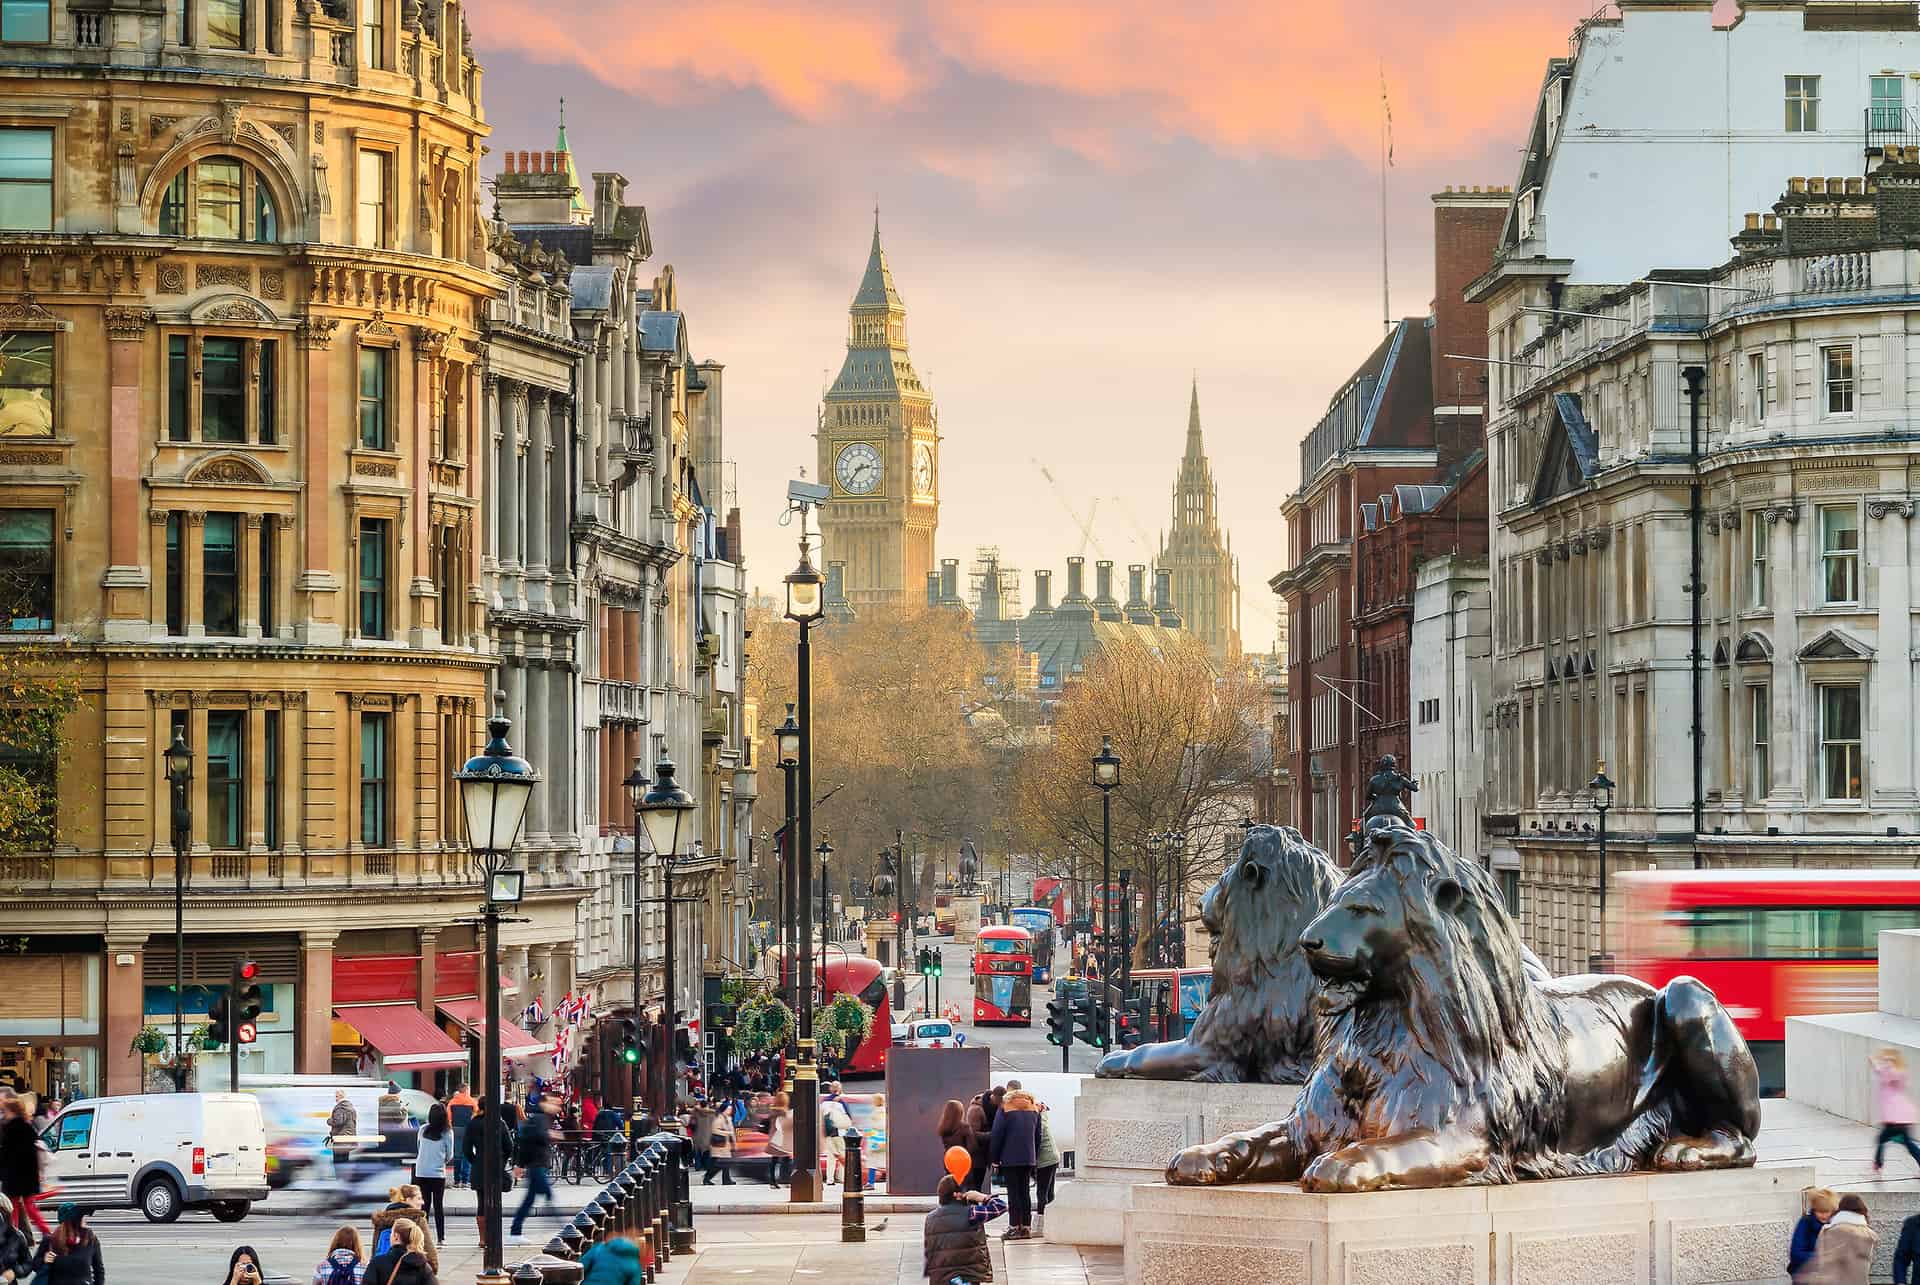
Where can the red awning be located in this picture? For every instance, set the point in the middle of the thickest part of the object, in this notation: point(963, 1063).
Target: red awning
point(471, 1014)
point(405, 1038)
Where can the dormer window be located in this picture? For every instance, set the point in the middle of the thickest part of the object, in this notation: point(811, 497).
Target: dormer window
point(221, 198)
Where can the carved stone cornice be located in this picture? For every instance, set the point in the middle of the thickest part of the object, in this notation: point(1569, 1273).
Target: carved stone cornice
point(1730, 518)
point(429, 344)
point(1774, 513)
point(1713, 524)
point(127, 325)
point(1886, 508)
point(1599, 538)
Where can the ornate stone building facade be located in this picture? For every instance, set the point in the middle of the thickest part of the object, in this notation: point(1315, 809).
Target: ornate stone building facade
point(1198, 552)
point(878, 441)
point(243, 293)
point(652, 593)
point(1780, 385)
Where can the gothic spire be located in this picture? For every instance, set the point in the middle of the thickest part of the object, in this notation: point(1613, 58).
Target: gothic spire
point(577, 201)
point(1195, 451)
point(876, 286)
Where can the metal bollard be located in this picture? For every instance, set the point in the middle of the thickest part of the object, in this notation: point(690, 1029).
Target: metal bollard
point(853, 1204)
point(557, 1271)
point(527, 1274)
point(573, 1238)
point(557, 1248)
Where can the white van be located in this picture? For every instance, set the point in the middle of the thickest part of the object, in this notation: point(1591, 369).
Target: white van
point(161, 1153)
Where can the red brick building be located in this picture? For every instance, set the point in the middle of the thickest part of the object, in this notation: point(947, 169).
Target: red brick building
point(1412, 415)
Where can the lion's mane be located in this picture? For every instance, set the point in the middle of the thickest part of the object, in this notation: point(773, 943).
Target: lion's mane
point(1260, 1015)
point(1470, 1011)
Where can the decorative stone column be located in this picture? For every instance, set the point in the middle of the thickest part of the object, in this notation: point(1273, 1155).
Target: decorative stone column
point(314, 1052)
point(321, 624)
point(429, 969)
point(538, 556)
point(126, 1003)
point(126, 580)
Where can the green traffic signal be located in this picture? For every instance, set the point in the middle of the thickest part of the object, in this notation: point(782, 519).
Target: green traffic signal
point(630, 1053)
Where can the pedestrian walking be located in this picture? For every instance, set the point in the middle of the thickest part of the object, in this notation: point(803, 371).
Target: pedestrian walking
point(71, 1255)
point(612, 1262)
point(20, 1152)
point(719, 1148)
point(244, 1267)
point(345, 1262)
point(1893, 1104)
point(1844, 1253)
point(700, 1119)
point(780, 1141)
point(460, 1109)
point(1046, 1169)
point(834, 1123)
point(1015, 1152)
point(953, 1240)
point(16, 1251)
point(343, 1124)
point(473, 1148)
point(431, 1164)
point(533, 1154)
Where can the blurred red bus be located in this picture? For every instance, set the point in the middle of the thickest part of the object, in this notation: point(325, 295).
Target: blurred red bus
point(1003, 977)
point(862, 978)
point(1771, 944)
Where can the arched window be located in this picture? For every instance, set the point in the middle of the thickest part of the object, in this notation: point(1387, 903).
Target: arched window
point(220, 198)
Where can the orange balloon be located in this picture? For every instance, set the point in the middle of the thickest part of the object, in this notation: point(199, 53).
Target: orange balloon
point(959, 1163)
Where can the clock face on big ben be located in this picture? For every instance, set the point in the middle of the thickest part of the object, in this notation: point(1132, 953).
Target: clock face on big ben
point(923, 469)
point(858, 469)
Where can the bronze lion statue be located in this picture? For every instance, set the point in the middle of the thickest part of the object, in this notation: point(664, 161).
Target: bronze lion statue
point(1451, 1061)
point(1259, 1025)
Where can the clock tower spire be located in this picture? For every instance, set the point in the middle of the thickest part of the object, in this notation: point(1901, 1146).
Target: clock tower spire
point(878, 442)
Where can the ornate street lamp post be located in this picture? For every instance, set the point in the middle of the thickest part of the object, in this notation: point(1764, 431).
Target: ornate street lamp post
point(805, 606)
point(1106, 775)
point(179, 760)
point(495, 787)
point(1601, 790)
point(824, 850)
point(661, 807)
point(787, 738)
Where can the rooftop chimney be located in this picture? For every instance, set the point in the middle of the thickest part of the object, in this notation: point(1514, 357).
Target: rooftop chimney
point(1076, 580)
point(1042, 594)
point(1138, 612)
point(1163, 607)
point(1103, 602)
point(933, 588)
point(949, 581)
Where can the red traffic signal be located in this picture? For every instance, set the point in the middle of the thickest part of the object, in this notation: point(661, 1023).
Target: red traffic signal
point(248, 971)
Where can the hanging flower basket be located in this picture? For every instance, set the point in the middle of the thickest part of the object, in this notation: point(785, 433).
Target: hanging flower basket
point(148, 1041)
point(764, 1024)
point(842, 1025)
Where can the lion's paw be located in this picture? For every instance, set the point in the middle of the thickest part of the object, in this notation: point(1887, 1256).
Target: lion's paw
point(1348, 1169)
point(1718, 1150)
point(1212, 1162)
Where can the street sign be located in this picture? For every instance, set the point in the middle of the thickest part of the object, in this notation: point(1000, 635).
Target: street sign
point(248, 1033)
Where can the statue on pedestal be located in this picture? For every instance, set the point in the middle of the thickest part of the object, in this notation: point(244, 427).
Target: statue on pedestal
point(1450, 1059)
point(1259, 1025)
point(1384, 788)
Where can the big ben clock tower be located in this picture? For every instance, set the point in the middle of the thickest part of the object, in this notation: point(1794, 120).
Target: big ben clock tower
point(879, 449)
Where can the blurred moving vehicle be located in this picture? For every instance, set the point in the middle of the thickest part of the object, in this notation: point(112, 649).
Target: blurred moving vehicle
point(160, 1153)
point(1771, 944)
point(295, 1109)
point(1166, 1019)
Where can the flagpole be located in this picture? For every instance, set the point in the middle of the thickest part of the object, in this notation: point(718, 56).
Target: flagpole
point(1386, 134)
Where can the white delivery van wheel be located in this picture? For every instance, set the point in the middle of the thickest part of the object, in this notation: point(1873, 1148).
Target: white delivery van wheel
point(159, 1200)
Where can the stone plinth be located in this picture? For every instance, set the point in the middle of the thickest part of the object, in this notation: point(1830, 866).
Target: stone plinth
point(1127, 1130)
point(1724, 1228)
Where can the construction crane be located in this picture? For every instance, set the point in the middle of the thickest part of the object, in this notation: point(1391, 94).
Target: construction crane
point(1085, 524)
point(1149, 548)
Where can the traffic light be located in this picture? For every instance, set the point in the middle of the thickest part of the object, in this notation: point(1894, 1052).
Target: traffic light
point(220, 1019)
point(626, 1044)
point(1060, 1020)
point(1090, 1023)
point(933, 960)
point(1133, 1022)
point(245, 1005)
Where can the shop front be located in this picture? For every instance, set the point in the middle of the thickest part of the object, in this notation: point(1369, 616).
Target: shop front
point(51, 1005)
point(210, 961)
point(379, 1029)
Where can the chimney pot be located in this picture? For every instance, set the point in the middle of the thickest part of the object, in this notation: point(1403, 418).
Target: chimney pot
point(1043, 591)
point(1816, 186)
point(1771, 222)
point(1797, 186)
point(1753, 222)
point(1856, 186)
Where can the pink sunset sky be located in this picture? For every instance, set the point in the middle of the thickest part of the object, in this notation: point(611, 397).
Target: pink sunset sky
point(1084, 204)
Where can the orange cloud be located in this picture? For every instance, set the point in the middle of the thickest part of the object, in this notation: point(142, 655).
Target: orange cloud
point(811, 59)
point(1292, 78)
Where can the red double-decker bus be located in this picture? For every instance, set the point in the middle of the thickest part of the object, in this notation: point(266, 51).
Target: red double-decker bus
point(1771, 944)
point(856, 975)
point(1003, 977)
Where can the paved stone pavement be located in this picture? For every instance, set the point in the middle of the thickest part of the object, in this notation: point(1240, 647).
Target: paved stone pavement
point(805, 1249)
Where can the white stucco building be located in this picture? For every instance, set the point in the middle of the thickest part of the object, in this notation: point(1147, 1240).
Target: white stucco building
point(1449, 679)
point(1780, 383)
